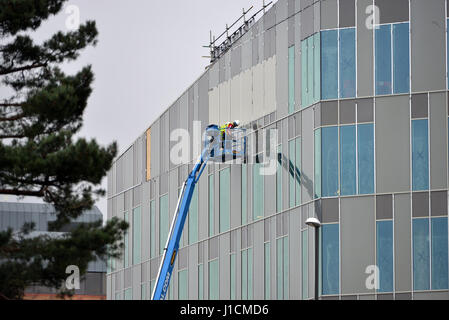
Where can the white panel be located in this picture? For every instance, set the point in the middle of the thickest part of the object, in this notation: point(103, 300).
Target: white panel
point(258, 90)
point(246, 113)
point(236, 108)
point(214, 103)
point(225, 102)
point(269, 86)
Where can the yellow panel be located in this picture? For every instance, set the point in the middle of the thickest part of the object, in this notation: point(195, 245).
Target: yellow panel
point(148, 154)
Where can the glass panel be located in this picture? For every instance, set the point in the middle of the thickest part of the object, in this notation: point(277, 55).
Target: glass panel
point(250, 273)
point(330, 259)
point(126, 242)
point(316, 67)
point(258, 197)
point(420, 155)
point(347, 63)
point(310, 65)
point(279, 269)
point(193, 218)
point(304, 73)
point(279, 181)
point(291, 79)
point(421, 262)
point(267, 271)
point(347, 161)
point(385, 255)
point(439, 254)
point(225, 199)
point(244, 275)
point(329, 64)
point(317, 166)
point(214, 280)
point(152, 229)
point(143, 292)
point(244, 193)
point(152, 282)
point(128, 294)
point(291, 171)
point(118, 296)
point(211, 205)
point(183, 293)
point(383, 59)
point(233, 266)
point(329, 164)
point(401, 57)
point(285, 268)
point(163, 222)
point(447, 47)
point(136, 235)
point(365, 146)
point(305, 264)
point(201, 282)
point(298, 171)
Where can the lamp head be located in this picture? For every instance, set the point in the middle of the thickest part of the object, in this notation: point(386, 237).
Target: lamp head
point(313, 222)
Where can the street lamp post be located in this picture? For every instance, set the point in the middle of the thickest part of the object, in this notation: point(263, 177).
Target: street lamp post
point(316, 224)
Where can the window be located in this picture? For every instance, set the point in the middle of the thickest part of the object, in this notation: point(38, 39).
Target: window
point(163, 222)
point(126, 242)
point(183, 293)
point(329, 161)
point(347, 63)
point(420, 155)
point(385, 255)
point(143, 291)
point(348, 160)
point(211, 205)
point(267, 271)
point(291, 79)
point(136, 235)
point(214, 282)
point(118, 296)
point(392, 58)
point(447, 48)
point(305, 264)
point(282, 269)
point(421, 256)
point(200, 282)
point(247, 274)
point(365, 153)
point(233, 276)
point(317, 163)
point(439, 253)
point(193, 218)
point(311, 74)
point(279, 181)
point(244, 194)
point(291, 171)
point(152, 229)
point(298, 171)
point(330, 258)
point(329, 64)
point(225, 199)
point(128, 294)
point(258, 196)
point(294, 172)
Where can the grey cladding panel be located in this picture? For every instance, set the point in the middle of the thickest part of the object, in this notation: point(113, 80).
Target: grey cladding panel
point(393, 10)
point(438, 141)
point(384, 207)
point(307, 23)
point(329, 14)
point(236, 61)
point(438, 203)
point(347, 13)
point(420, 204)
point(329, 113)
point(392, 144)
point(420, 105)
point(347, 111)
point(365, 110)
point(364, 51)
point(428, 31)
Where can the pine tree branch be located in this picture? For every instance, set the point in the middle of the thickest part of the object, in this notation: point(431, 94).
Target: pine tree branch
point(13, 118)
point(24, 68)
point(17, 192)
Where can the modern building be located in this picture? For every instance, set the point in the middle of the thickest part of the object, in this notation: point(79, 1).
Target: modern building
point(357, 90)
point(13, 215)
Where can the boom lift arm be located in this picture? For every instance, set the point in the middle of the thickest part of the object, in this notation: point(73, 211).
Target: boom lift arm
point(179, 218)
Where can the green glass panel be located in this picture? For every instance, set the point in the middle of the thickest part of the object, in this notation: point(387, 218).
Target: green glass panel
point(183, 293)
point(244, 194)
point(291, 171)
point(163, 222)
point(201, 282)
point(279, 181)
point(211, 205)
point(305, 265)
point(244, 275)
point(225, 199)
point(152, 229)
point(126, 242)
point(258, 197)
point(250, 274)
point(214, 280)
point(317, 179)
point(317, 68)
point(267, 271)
point(193, 218)
point(233, 276)
point(291, 79)
point(136, 235)
point(304, 79)
point(298, 171)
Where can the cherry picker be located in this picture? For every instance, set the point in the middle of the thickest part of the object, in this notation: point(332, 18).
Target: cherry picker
point(220, 146)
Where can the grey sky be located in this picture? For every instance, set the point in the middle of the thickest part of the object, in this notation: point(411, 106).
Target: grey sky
point(148, 53)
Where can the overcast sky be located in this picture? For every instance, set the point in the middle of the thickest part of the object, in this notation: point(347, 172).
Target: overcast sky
point(149, 52)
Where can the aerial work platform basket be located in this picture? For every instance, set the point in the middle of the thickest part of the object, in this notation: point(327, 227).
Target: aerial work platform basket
point(225, 144)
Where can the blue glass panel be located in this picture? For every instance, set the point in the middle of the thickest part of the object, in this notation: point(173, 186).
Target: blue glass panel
point(330, 259)
point(383, 60)
point(365, 139)
point(316, 67)
point(347, 160)
point(401, 57)
point(329, 158)
point(347, 63)
point(439, 254)
point(329, 64)
point(317, 163)
point(421, 262)
point(385, 255)
point(420, 155)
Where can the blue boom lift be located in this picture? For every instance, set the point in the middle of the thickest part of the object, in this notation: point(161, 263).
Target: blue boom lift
point(218, 146)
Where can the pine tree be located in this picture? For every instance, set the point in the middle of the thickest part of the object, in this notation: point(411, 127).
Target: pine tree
point(39, 153)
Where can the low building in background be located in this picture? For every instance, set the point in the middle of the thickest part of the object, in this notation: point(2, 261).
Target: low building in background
point(14, 215)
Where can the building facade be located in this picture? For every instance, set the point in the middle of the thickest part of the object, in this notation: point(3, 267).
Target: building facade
point(357, 91)
point(13, 215)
